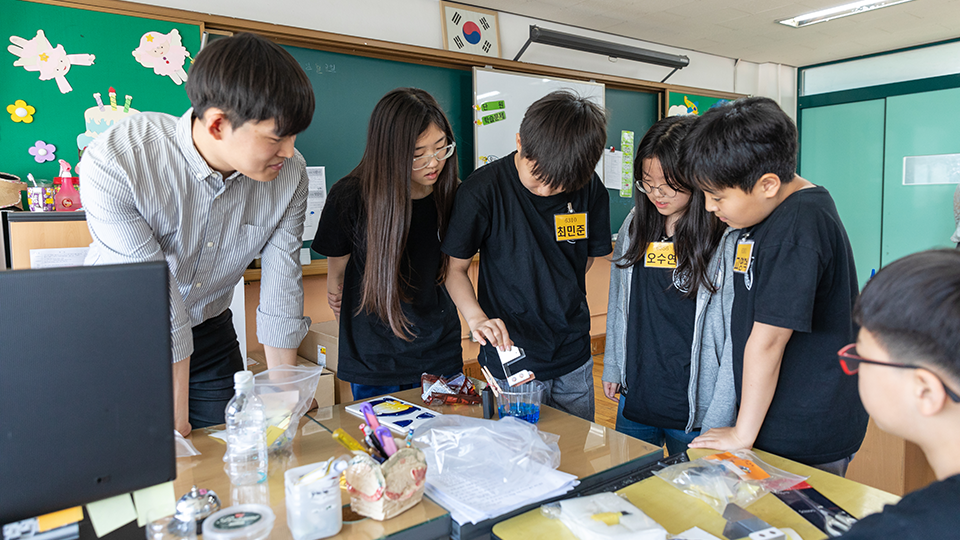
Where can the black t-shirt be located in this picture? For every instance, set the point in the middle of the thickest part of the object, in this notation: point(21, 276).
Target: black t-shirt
point(928, 514)
point(659, 337)
point(534, 283)
point(802, 277)
point(370, 353)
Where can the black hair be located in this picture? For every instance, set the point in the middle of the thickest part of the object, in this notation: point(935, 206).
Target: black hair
point(736, 143)
point(385, 172)
point(563, 135)
point(251, 78)
point(698, 232)
point(912, 307)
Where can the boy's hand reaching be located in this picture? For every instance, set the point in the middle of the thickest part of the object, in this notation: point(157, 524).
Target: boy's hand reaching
point(725, 439)
point(493, 331)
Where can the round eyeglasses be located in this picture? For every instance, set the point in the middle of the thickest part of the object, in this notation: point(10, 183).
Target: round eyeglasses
point(850, 363)
point(664, 189)
point(425, 160)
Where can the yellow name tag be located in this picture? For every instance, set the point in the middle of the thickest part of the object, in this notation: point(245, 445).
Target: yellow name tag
point(660, 255)
point(744, 256)
point(570, 226)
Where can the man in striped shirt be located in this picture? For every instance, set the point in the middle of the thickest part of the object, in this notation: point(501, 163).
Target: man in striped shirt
point(208, 192)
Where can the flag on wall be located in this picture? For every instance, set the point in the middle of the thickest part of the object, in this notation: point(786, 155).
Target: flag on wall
point(470, 30)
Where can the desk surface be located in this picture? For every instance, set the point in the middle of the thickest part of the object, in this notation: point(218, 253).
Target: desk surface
point(587, 449)
point(312, 444)
point(678, 512)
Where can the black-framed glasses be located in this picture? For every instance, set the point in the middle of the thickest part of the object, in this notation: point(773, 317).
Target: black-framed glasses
point(850, 362)
point(664, 189)
point(424, 161)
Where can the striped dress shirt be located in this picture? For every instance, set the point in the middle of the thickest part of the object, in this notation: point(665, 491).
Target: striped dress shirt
point(149, 196)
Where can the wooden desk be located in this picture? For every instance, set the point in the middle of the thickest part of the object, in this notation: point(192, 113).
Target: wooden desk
point(312, 444)
point(678, 512)
point(593, 453)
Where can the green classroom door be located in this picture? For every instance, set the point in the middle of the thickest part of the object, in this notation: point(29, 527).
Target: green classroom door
point(841, 149)
point(918, 217)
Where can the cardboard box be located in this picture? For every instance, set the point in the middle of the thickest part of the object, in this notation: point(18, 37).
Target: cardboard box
point(326, 387)
point(321, 344)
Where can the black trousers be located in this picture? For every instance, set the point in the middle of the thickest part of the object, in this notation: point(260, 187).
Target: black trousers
point(216, 357)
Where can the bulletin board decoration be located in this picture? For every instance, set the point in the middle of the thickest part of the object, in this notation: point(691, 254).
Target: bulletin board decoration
point(683, 104)
point(107, 38)
point(470, 29)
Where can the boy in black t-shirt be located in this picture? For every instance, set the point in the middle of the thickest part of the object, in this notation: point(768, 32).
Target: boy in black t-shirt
point(908, 359)
point(532, 289)
point(794, 289)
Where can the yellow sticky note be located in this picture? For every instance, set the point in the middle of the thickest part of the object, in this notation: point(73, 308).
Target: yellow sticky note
point(154, 502)
point(110, 514)
point(272, 433)
point(48, 522)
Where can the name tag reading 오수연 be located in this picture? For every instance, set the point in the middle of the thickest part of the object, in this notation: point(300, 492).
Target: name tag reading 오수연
point(660, 255)
point(741, 264)
point(570, 226)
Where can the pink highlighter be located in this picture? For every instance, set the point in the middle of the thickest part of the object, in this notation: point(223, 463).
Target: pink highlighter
point(386, 440)
point(371, 417)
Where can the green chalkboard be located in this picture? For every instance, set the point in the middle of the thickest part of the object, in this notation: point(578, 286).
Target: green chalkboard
point(626, 111)
point(59, 117)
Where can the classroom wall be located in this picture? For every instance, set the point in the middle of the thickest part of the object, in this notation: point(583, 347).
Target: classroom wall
point(417, 22)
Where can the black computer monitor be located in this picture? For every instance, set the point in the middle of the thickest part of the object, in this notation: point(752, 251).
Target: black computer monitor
point(86, 399)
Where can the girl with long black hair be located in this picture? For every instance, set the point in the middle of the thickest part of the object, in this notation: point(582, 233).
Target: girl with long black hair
point(661, 261)
point(381, 229)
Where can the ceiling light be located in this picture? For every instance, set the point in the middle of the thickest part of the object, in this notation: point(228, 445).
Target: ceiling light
point(845, 10)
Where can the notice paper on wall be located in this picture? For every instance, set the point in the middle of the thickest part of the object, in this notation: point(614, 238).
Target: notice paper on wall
point(56, 258)
point(315, 198)
point(612, 169)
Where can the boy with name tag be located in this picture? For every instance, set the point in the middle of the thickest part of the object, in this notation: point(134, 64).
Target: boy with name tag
point(538, 217)
point(907, 358)
point(795, 285)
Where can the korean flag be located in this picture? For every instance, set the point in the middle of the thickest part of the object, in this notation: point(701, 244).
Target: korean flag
point(471, 32)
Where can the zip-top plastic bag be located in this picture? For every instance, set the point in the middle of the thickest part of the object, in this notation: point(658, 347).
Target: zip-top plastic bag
point(729, 477)
point(286, 392)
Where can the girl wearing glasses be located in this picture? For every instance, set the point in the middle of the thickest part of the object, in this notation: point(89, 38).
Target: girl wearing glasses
point(381, 229)
point(661, 259)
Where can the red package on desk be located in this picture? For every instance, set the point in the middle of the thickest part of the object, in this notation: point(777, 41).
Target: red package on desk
point(459, 389)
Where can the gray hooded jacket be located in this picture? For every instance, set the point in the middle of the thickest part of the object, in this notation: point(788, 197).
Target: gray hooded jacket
point(711, 392)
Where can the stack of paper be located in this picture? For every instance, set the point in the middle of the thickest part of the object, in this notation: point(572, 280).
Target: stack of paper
point(474, 498)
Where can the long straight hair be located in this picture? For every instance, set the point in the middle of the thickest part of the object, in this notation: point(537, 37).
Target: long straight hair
point(698, 232)
point(385, 173)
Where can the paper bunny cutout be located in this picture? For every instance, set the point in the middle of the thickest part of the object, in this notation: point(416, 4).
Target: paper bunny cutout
point(52, 62)
point(164, 53)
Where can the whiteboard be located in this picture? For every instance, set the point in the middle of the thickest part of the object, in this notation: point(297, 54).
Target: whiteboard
point(517, 91)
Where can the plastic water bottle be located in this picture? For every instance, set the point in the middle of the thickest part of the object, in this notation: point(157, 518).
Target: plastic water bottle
point(246, 457)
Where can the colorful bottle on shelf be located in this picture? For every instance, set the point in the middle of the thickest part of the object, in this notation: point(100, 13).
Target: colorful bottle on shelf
point(67, 198)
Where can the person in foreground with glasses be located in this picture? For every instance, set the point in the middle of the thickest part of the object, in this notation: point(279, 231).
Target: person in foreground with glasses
point(381, 229)
point(794, 288)
point(660, 264)
point(538, 217)
point(907, 357)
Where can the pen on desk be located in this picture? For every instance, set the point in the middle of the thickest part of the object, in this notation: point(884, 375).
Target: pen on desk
point(346, 440)
point(386, 440)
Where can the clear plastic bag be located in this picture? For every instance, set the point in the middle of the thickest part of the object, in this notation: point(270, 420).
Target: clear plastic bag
point(604, 515)
point(184, 447)
point(465, 443)
point(730, 477)
point(287, 392)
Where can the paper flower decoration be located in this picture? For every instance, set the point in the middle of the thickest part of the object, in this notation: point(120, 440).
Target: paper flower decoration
point(43, 152)
point(21, 112)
